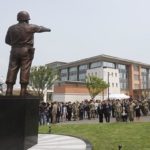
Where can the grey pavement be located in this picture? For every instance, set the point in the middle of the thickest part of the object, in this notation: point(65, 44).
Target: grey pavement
point(59, 142)
point(112, 120)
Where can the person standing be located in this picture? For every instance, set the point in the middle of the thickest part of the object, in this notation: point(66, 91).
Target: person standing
point(21, 39)
point(131, 110)
point(137, 110)
point(58, 112)
point(69, 111)
point(81, 111)
point(124, 112)
point(118, 110)
point(54, 112)
point(64, 112)
point(107, 111)
point(100, 112)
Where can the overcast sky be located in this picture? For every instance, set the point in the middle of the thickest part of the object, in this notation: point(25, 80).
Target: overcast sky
point(81, 29)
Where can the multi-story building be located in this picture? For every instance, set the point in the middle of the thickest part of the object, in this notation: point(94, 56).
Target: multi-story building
point(124, 76)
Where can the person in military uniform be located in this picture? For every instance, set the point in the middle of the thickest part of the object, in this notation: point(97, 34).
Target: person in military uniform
point(131, 111)
point(118, 110)
point(21, 39)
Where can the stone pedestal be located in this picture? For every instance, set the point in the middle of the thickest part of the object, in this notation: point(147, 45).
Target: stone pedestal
point(18, 122)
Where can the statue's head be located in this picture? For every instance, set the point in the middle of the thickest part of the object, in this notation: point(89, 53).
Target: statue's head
point(23, 16)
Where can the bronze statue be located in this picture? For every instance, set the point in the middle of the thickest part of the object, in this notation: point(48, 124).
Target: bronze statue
point(21, 39)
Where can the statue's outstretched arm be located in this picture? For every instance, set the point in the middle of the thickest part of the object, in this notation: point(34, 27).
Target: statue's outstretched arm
point(44, 29)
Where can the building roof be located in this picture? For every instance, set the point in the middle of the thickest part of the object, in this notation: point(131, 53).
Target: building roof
point(56, 64)
point(104, 57)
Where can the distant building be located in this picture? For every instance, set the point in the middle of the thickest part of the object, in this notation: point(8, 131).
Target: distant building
point(124, 76)
point(55, 64)
point(48, 92)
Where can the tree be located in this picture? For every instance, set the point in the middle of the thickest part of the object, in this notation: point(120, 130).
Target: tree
point(95, 85)
point(2, 86)
point(41, 79)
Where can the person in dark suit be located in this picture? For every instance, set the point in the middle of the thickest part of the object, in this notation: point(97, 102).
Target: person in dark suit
point(100, 111)
point(107, 111)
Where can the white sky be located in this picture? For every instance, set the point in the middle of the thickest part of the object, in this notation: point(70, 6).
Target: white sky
point(81, 29)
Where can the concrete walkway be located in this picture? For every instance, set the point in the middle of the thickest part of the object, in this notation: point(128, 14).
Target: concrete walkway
point(112, 120)
point(59, 142)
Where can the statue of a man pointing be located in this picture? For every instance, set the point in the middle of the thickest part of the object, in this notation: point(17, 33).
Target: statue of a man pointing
point(21, 39)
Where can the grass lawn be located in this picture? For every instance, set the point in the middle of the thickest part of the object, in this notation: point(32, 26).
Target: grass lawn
point(132, 136)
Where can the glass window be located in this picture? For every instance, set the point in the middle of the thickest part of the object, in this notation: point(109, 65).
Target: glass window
point(144, 78)
point(95, 65)
point(116, 84)
point(112, 84)
point(73, 74)
point(73, 69)
point(122, 75)
point(83, 67)
point(144, 70)
point(108, 64)
point(82, 77)
point(73, 78)
point(136, 68)
point(64, 74)
point(64, 78)
point(64, 70)
point(120, 66)
point(121, 85)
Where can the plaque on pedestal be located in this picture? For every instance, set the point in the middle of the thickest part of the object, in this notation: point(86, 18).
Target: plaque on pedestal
point(18, 122)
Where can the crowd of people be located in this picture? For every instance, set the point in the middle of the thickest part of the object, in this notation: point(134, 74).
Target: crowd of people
point(122, 110)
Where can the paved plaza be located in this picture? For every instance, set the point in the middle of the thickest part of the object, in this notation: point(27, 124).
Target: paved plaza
point(112, 120)
point(59, 142)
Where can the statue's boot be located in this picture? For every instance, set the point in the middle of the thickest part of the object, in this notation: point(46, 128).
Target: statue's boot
point(9, 90)
point(23, 91)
